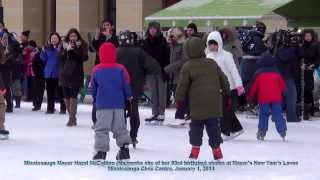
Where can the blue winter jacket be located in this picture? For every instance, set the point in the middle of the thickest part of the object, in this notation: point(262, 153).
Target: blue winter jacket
point(110, 81)
point(51, 57)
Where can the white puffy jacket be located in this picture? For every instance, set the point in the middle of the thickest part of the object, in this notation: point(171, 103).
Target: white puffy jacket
point(225, 61)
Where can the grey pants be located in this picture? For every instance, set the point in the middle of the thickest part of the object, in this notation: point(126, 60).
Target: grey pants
point(110, 120)
point(158, 89)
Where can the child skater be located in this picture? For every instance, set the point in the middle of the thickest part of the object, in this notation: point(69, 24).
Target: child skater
point(110, 90)
point(204, 84)
point(268, 86)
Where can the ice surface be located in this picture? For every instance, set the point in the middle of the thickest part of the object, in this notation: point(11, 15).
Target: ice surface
point(36, 136)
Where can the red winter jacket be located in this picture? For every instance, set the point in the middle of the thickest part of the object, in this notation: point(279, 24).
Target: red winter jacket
point(268, 87)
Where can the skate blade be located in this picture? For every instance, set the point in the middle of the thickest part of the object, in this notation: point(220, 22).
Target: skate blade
point(177, 126)
point(154, 123)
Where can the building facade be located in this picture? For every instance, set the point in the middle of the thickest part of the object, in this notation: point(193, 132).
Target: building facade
point(45, 16)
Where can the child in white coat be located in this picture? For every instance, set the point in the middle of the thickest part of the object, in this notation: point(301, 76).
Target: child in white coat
point(230, 125)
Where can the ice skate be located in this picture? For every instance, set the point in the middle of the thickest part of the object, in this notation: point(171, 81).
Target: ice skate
point(177, 123)
point(4, 134)
point(100, 156)
point(261, 135)
point(217, 153)
point(194, 152)
point(134, 142)
point(123, 153)
point(283, 136)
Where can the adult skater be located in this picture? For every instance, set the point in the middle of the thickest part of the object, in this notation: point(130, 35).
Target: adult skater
point(204, 84)
point(156, 46)
point(230, 125)
point(176, 39)
point(139, 64)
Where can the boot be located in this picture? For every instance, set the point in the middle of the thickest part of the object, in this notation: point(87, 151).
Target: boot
point(100, 156)
point(194, 152)
point(217, 153)
point(123, 153)
point(72, 112)
point(18, 102)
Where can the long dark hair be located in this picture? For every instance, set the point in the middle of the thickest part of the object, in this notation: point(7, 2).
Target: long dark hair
point(54, 34)
point(73, 30)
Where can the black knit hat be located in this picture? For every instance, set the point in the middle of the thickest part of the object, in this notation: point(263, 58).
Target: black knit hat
point(26, 33)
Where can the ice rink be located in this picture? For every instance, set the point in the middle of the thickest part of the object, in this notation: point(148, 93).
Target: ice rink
point(39, 137)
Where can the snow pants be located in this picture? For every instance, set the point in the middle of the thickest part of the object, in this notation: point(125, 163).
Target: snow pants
point(213, 130)
point(110, 120)
point(276, 111)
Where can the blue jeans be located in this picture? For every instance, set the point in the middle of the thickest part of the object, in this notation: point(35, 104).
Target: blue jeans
point(291, 101)
point(276, 111)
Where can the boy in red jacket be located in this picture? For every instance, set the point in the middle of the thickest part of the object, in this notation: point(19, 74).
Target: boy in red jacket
point(268, 86)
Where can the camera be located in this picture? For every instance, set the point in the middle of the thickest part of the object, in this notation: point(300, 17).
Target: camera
point(287, 38)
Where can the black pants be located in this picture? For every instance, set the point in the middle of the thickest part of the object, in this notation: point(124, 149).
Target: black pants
point(93, 114)
point(134, 118)
point(38, 90)
point(213, 130)
point(9, 100)
point(30, 92)
point(54, 92)
point(70, 92)
point(183, 111)
point(229, 121)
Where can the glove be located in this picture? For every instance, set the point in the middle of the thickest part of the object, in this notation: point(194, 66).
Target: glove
point(3, 92)
point(179, 104)
point(229, 104)
point(240, 90)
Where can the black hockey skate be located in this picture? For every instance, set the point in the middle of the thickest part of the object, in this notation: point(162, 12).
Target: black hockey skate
point(134, 142)
point(123, 153)
point(4, 134)
point(100, 156)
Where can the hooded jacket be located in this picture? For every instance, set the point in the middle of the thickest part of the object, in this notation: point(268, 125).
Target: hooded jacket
point(157, 47)
point(110, 81)
point(202, 82)
point(225, 61)
point(267, 84)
